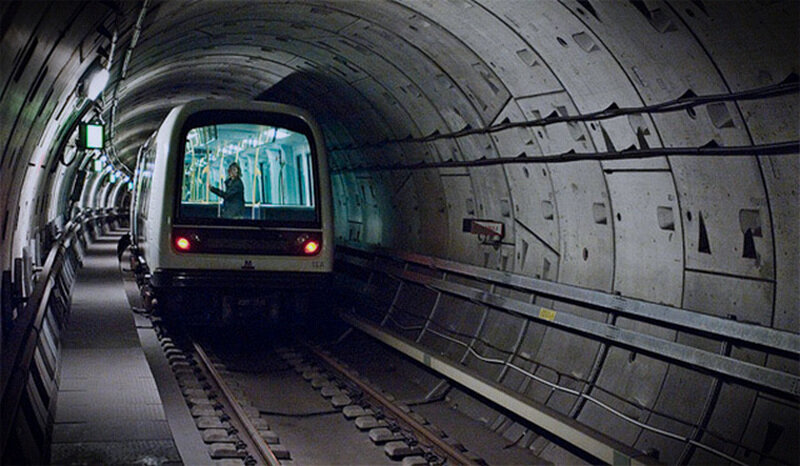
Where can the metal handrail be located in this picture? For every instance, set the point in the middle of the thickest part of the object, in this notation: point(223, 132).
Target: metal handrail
point(702, 360)
point(18, 351)
point(395, 264)
point(691, 321)
point(33, 311)
point(657, 347)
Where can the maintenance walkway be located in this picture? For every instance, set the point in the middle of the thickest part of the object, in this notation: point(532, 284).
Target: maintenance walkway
point(111, 407)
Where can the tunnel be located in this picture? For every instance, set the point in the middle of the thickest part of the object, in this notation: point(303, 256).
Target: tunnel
point(645, 150)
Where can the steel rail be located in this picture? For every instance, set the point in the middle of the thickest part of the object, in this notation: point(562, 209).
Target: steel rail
point(438, 442)
point(239, 416)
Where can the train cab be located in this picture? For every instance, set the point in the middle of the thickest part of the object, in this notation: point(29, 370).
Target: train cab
point(233, 199)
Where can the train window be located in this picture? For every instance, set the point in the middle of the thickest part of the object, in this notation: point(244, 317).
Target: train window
point(145, 168)
point(247, 172)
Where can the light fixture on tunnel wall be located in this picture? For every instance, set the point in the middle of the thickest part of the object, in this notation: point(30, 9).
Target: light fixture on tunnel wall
point(97, 82)
point(94, 79)
point(100, 162)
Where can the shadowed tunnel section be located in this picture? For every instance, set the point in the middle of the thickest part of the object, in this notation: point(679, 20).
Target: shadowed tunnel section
point(409, 82)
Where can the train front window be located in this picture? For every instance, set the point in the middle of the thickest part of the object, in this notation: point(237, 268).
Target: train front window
point(247, 173)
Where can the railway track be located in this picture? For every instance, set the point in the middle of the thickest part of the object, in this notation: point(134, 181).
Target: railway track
point(234, 432)
point(439, 449)
point(288, 402)
point(254, 441)
point(261, 398)
point(403, 435)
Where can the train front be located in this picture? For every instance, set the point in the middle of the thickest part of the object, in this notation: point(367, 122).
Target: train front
point(247, 225)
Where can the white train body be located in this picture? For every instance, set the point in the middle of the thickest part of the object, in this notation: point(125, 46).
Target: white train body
point(179, 225)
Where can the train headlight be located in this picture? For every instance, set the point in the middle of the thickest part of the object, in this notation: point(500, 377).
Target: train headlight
point(311, 247)
point(183, 244)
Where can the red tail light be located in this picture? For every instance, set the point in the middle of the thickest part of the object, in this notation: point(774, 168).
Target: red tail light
point(182, 243)
point(311, 247)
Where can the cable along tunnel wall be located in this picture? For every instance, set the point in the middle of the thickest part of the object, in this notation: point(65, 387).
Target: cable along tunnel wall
point(502, 328)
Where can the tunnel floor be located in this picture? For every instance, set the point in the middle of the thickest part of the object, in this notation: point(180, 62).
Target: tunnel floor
point(108, 408)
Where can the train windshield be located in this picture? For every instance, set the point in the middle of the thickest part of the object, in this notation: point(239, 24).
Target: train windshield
point(247, 173)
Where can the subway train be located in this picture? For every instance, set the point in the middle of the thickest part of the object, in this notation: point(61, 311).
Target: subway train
point(231, 212)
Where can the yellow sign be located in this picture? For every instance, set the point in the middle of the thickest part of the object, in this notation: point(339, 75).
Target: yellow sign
point(547, 314)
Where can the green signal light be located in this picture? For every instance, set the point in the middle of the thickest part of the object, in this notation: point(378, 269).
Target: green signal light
point(91, 136)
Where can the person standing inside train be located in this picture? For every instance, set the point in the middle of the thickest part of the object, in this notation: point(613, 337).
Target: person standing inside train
point(233, 195)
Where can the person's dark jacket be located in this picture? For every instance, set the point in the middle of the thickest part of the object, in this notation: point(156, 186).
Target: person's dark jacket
point(232, 198)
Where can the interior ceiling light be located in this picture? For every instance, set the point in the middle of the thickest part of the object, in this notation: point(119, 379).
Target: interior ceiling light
point(97, 83)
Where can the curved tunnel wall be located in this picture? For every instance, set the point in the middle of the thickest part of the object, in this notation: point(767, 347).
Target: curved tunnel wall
point(715, 235)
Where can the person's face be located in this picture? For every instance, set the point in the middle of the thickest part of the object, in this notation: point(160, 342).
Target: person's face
point(233, 172)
